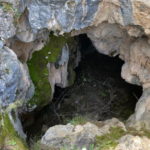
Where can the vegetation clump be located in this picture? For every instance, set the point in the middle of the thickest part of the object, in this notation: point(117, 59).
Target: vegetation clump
point(9, 138)
point(78, 120)
point(39, 71)
point(109, 140)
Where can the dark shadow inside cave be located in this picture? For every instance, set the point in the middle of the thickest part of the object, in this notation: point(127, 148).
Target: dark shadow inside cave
point(99, 93)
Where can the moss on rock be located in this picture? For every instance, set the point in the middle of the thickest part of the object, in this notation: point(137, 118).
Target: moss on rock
point(9, 138)
point(39, 71)
point(110, 140)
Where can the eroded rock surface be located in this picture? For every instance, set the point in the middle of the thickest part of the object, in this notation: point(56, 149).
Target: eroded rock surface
point(116, 27)
point(130, 142)
point(7, 27)
point(15, 83)
point(79, 136)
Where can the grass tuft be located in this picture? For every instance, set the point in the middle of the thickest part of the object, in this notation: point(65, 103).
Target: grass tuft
point(78, 120)
point(109, 140)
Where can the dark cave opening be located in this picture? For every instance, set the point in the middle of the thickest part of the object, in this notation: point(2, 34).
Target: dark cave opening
point(99, 93)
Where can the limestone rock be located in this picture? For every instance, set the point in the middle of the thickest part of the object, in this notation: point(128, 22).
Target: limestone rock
point(140, 119)
point(107, 38)
point(7, 27)
point(77, 135)
point(15, 83)
point(130, 142)
point(59, 75)
point(64, 15)
point(1, 44)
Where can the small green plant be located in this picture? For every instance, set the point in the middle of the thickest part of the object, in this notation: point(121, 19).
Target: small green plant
point(66, 148)
point(109, 140)
point(78, 120)
point(91, 147)
point(12, 142)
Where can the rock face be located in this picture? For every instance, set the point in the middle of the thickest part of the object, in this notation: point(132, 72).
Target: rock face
point(7, 28)
point(116, 27)
point(64, 16)
point(15, 83)
point(130, 142)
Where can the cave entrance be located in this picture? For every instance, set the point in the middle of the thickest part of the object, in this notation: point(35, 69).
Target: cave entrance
point(99, 92)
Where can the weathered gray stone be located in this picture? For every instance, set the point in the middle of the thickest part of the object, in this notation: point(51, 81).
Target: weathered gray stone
point(15, 83)
point(130, 142)
point(63, 15)
point(140, 119)
point(59, 75)
point(7, 28)
point(79, 136)
point(1, 44)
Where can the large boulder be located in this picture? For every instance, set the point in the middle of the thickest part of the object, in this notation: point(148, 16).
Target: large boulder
point(79, 136)
point(15, 83)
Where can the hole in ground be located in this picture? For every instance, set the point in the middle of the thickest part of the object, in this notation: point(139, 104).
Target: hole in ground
point(99, 93)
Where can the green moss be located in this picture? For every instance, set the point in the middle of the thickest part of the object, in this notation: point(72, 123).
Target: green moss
point(8, 135)
point(7, 7)
point(78, 120)
point(39, 72)
point(109, 140)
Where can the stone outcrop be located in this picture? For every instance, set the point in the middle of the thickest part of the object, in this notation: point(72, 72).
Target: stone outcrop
point(79, 136)
point(15, 83)
point(110, 135)
point(7, 27)
point(130, 142)
point(116, 27)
